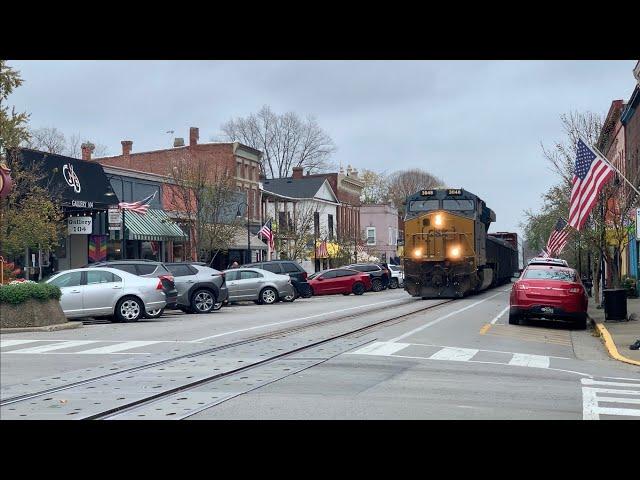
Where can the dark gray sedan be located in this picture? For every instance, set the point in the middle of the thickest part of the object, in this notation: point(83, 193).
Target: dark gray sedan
point(200, 289)
point(258, 285)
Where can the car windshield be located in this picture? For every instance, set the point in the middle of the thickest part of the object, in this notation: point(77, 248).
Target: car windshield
point(550, 274)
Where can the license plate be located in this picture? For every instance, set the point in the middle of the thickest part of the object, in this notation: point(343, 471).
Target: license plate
point(547, 310)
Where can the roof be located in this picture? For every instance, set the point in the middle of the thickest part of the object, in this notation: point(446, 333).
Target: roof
point(155, 225)
point(295, 187)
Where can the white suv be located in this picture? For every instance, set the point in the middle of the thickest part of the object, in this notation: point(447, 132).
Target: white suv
point(397, 276)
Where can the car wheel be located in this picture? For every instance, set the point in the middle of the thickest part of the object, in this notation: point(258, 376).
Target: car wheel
point(358, 288)
point(514, 319)
point(203, 301)
point(129, 309)
point(268, 296)
point(157, 313)
point(217, 306)
point(289, 298)
point(393, 283)
point(376, 285)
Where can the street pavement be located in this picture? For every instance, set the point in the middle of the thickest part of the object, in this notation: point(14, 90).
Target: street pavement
point(459, 360)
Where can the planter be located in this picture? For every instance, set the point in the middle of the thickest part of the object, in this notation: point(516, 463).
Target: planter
point(31, 313)
point(615, 304)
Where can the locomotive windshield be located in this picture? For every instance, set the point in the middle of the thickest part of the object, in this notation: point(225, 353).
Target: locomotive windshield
point(424, 205)
point(458, 205)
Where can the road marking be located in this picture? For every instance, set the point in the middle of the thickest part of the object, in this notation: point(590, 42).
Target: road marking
point(591, 409)
point(526, 360)
point(381, 348)
point(118, 347)
point(454, 354)
point(294, 320)
point(485, 328)
point(11, 343)
point(55, 346)
point(499, 315)
point(437, 320)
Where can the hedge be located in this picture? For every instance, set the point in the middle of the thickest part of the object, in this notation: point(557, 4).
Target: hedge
point(21, 292)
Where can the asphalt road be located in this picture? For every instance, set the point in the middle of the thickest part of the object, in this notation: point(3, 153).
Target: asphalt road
point(459, 360)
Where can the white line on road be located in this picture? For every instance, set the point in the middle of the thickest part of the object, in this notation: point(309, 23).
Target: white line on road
point(294, 320)
point(118, 347)
point(433, 322)
point(591, 410)
point(611, 384)
point(381, 348)
point(11, 343)
point(526, 360)
point(454, 354)
point(495, 319)
point(635, 401)
point(55, 346)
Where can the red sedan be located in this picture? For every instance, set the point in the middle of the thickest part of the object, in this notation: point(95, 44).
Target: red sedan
point(339, 280)
point(551, 292)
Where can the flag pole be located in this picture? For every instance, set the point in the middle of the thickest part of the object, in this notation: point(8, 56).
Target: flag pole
point(613, 166)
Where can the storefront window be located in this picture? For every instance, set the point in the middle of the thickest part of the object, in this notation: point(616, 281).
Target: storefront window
point(178, 252)
point(150, 250)
point(114, 250)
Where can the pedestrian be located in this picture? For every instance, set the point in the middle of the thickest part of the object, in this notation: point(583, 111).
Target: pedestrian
point(234, 264)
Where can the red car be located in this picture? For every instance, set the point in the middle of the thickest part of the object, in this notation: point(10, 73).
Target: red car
point(551, 292)
point(339, 280)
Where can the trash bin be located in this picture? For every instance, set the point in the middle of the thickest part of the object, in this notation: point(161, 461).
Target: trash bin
point(615, 304)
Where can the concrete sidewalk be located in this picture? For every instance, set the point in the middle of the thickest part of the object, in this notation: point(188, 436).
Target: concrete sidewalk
point(617, 336)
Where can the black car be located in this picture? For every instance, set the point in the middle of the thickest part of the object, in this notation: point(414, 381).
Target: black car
point(147, 268)
point(379, 273)
point(288, 267)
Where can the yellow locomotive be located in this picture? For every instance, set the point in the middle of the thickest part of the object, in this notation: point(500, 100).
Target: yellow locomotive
point(447, 251)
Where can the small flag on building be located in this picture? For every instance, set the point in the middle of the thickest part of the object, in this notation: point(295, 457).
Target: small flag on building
point(140, 206)
point(592, 171)
point(558, 238)
point(266, 233)
point(321, 250)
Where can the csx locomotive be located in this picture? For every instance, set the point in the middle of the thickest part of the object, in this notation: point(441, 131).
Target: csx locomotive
point(447, 251)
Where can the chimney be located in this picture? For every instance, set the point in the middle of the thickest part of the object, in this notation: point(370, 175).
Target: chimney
point(354, 173)
point(194, 134)
point(297, 172)
point(126, 146)
point(87, 150)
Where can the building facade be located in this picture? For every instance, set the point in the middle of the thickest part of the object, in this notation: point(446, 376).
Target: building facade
point(381, 230)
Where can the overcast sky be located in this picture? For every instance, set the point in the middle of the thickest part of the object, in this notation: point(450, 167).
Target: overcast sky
point(475, 124)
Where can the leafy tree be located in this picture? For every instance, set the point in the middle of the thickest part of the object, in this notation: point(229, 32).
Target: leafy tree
point(376, 187)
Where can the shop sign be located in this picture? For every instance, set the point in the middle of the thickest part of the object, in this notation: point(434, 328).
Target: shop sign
point(81, 204)
point(80, 225)
point(115, 216)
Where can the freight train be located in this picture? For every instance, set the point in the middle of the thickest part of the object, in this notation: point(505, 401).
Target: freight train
point(447, 250)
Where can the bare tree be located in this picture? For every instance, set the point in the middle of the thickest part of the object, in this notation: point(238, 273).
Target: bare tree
point(286, 141)
point(376, 187)
point(52, 140)
point(203, 194)
point(407, 182)
point(74, 147)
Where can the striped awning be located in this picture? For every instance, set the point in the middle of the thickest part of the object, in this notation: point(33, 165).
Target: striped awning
point(155, 226)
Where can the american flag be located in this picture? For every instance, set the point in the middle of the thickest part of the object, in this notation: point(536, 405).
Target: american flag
point(140, 206)
point(321, 250)
point(591, 172)
point(267, 233)
point(558, 238)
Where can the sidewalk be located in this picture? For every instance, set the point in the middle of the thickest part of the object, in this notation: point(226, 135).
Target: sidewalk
point(621, 333)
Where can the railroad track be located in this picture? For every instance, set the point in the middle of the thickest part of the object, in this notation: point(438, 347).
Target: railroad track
point(182, 361)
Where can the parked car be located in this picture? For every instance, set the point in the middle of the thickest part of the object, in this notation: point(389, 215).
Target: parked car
point(258, 285)
point(97, 292)
point(200, 289)
point(288, 267)
point(149, 269)
point(548, 261)
point(340, 280)
point(397, 276)
point(551, 292)
point(380, 275)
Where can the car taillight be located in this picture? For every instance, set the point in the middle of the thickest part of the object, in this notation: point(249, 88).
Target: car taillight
point(304, 275)
point(160, 286)
point(575, 290)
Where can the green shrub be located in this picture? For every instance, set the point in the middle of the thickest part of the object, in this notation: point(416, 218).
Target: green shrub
point(629, 284)
point(20, 293)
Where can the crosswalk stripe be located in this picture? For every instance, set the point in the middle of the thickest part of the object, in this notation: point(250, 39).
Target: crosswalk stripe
point(118, 347)
point(619, 400)
point(526, 360)
point(54, 346)
point(11, 343)
point(454, 354)
point(589, 381)
point(625, 412)
point(381, 348)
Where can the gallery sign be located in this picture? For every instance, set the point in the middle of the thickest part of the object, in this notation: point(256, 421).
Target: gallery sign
point(80, 225)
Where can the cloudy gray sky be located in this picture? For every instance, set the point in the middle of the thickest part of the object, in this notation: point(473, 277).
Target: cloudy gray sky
point(476, 124)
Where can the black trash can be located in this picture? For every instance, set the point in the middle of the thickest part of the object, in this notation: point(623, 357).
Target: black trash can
point(615, 304)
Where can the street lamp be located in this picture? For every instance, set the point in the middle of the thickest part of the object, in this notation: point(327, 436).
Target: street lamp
point(239, 215)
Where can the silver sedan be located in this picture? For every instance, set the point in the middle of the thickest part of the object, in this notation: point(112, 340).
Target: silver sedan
point(258, 285)
point(101, 291)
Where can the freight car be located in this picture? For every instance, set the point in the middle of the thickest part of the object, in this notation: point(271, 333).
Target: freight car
point(448, 252)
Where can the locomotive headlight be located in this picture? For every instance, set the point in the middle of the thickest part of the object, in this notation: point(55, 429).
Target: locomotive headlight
point(417, 253)
point(438, 220)
point(455, 252)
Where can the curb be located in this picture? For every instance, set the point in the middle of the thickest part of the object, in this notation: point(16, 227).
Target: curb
point(48, 328)
point(611, 346)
